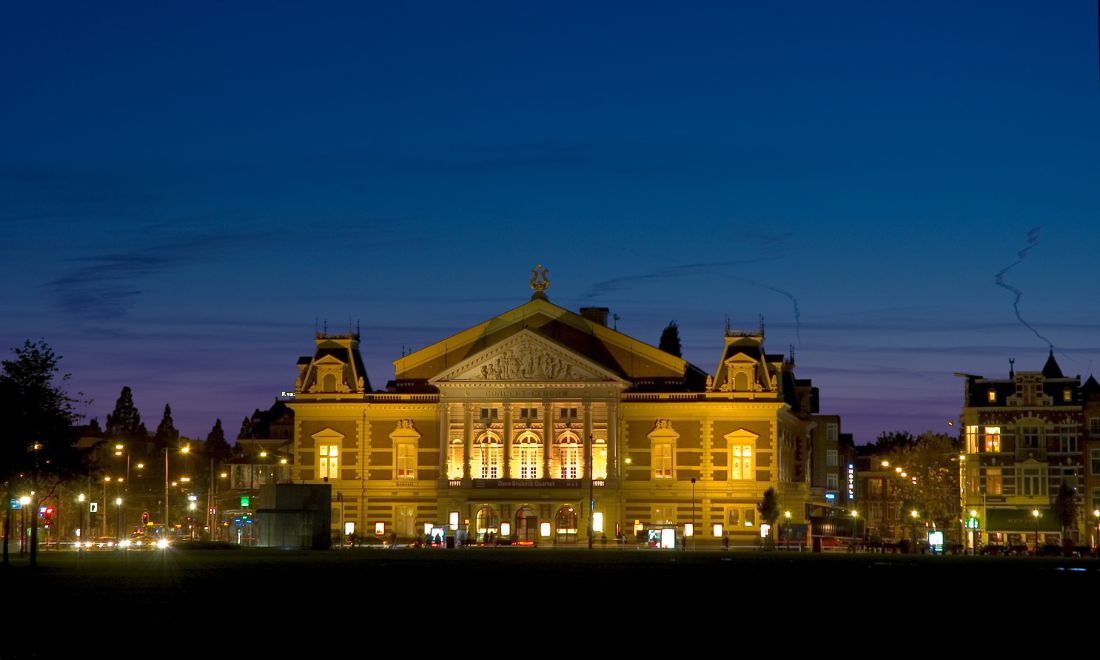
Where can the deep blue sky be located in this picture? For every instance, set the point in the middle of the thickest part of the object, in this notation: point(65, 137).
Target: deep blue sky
point(184, 190)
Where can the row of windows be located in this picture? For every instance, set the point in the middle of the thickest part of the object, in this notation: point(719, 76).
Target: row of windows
point(527, 413)
point(1035, 390)
point(989, 438)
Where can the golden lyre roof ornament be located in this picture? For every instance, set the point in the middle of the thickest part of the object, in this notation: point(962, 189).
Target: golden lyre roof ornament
point(540, 280)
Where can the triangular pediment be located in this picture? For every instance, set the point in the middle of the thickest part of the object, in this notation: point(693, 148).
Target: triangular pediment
point(527, 357)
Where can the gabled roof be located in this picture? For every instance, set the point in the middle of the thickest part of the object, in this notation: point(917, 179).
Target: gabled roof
point(619, 354)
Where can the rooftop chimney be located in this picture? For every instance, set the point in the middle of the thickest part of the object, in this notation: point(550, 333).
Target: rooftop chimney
point(595, 314)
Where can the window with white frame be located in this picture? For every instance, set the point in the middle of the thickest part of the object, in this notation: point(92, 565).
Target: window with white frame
point(831, 481)
point(972, 439)
point(993, 483)
point(831, 432)
point(992, 439)
point(1094, 461)
point(1031, 481)
point(1031, 437)
point(329, 466)
point(1094, 425)
point(406, 460)
point(1067, 439)
point(528, 454)
point(488, 455)
point(830, 458)
point(569, 456)
point(741, 462)
point(662, 460)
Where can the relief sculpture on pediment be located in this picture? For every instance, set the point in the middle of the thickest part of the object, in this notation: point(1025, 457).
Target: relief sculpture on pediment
point(523, 363)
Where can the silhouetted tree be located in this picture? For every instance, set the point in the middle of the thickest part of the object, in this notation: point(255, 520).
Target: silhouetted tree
point(1065, 507)
point(769, 513)
point(670, 339)
point(125, 421)
point(216, 446)
point(37, 449)
point(167, 433)
point(246, 428)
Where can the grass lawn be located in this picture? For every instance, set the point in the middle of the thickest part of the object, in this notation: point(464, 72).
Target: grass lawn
point(237, 603)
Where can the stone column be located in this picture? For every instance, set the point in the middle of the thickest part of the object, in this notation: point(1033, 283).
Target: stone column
point(467, 430)
point(507, 441)
point(547, 438)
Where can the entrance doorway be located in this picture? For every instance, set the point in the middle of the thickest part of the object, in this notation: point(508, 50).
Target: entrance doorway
point(565, 524)
point(527, 525)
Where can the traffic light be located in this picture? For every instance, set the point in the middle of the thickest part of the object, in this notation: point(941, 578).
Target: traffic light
point(47, 515)
point(144, 517)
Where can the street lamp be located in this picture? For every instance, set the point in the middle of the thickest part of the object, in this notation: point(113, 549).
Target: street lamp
point(622, 499)
point(118, 517)
point(183, 450)
point(693, 542)
point(24, 502)
point(914, 515)
point(1035, 515)
point(855, 525)
point(81, 533)
point(787, 534)
point(1096, 517)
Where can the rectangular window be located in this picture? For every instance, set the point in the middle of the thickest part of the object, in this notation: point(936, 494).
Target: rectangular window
point(662, 460)
point(330, 461)
point(1067, 395)
point(831, 481)
point(830, 458)
point(1094, 461)
point(406, 460)
point(1094, 425)
point(599, 459)
point(972, 439)
point(568, 413)
point(748, 517)
point(993, 485)
point(992, 395)
point(741, 462)
point(1095, 499)
point(1069, 477)
point(489, 413)
point(404, 519)
point(1031, 481)
point(1067, 440)
point(993, 439)
point(830, 432)
point(874, 488)
point(528, 414)
point(454, 459)
point(1030, 437)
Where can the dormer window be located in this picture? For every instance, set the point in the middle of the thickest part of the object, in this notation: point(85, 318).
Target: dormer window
point(992, 396)
point(1067, 394)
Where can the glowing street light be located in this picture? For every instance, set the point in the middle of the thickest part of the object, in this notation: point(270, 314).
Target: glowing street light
point(1035, 515)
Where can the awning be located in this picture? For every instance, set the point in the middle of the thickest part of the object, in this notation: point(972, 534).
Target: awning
point(1020, 520)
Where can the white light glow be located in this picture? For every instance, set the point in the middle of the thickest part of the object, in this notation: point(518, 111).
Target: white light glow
point(349, 527)
point(505, 529)
point(765, 529)
point(379, 528)
point(597, 521)
point(452, 520)
point(544, 529)
point(689, 529)
point(427, 529)
point(162, 543)
point(717, 530)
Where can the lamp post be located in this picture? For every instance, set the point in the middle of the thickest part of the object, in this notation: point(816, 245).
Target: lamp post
point(622, 500)
point(694, 543)
point(914, 515)
point(24, 502)
point(855, 527)
point(1035, 515)
point(1096, 517)
point(118, 517)
point(82, 532)
point(787, 533)
point(183, 450)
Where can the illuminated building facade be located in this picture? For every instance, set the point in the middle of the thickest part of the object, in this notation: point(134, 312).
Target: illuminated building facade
point(542, 425)
point(1022, 441)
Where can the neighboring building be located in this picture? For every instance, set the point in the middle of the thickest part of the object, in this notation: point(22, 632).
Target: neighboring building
point(263, 456)
point(1090, 399)
point(833, 514)
point(519, 427)
point(1022, 441)
point(881, 493)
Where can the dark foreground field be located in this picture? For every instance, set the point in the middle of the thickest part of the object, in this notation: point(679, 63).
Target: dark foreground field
point(267, 603)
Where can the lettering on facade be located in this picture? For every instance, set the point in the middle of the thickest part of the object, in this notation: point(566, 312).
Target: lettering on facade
point(527, 483)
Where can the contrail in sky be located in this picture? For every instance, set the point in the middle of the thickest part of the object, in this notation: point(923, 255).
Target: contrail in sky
point(1032, 241)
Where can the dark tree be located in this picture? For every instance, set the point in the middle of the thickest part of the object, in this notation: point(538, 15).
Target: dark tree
point(93, 426)
point(894, 441)
point(125, 421)
point(670, 339)
point(1065, 507)
point(37, 451)
point(246, 428)
point(769, 513)
point(216, 446)
point(167, 433)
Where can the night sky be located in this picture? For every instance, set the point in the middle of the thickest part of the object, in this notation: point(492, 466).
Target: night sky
point(187, 190)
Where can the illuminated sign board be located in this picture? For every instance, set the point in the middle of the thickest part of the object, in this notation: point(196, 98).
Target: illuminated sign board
point(851, 482)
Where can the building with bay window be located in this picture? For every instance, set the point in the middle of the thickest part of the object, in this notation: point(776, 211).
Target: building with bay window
point(543, 425)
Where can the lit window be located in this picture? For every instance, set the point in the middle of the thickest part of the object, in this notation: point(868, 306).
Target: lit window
point(831, 481)
point(741, 462)
point(972, 439)
point(1067, 394)
point(599, 459)
point(406, 460)
point(569, 457)
point(992, 395)
point(488, 457)
point(528, 449)
point(993, 439)
point(662, 460)
point(330, 461)
point(454, 459)
point(993, 484)
point(405, 521)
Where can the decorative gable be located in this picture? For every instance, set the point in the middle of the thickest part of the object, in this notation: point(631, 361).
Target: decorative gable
point(526, 356)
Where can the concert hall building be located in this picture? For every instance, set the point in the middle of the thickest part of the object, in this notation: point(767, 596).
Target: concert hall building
point(544, 426)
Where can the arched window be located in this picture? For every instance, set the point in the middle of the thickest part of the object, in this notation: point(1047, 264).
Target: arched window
point(565, 524)
point(528, 455)
point(486, 522)
point(569, 452)
point(488, 455)
point(527, 524)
